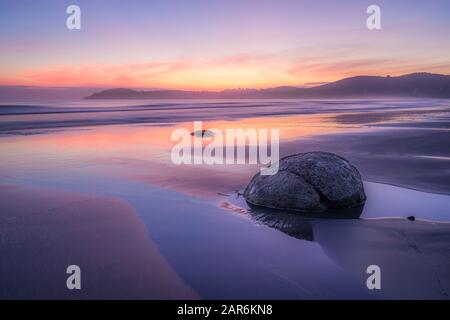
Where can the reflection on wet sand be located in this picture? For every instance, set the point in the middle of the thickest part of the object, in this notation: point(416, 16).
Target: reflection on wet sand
point(143, 152)
point(295, 224)
point(197, 243)
point(413, 255)
point(43, 231)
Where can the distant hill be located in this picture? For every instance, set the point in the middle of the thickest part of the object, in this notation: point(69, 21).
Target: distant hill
point(410, 85)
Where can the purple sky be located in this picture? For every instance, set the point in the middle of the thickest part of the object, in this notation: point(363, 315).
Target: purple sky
point(218, 44)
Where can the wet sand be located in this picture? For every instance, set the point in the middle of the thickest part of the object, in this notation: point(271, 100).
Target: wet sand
point(109, 198)
point(415, 159)
point(414, 256)
point(42, 232)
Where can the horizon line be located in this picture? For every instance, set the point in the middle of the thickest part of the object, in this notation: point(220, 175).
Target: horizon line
point(318, 84)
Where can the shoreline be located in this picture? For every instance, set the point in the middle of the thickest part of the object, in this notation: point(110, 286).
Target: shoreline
point(115, 202)
point(348, 243)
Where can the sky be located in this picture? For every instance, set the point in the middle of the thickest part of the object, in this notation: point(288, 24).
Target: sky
point(215, 45)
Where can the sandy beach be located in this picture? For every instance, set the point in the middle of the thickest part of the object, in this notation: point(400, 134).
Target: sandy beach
point(97, 189)
point(413, 255)
point(42, 232)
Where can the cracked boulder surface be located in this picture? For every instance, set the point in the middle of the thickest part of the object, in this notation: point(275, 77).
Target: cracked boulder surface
point(308, 182)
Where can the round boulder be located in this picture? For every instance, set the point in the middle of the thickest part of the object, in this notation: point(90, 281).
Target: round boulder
point(308, 182)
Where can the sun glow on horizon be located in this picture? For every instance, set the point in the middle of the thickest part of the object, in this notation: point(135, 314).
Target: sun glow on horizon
point(212, 76)
point(212, 46)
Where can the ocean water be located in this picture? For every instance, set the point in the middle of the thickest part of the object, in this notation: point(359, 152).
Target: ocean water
point(56, 114)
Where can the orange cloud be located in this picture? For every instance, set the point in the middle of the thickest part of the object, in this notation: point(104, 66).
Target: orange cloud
point(227, 72)
point(249, 70)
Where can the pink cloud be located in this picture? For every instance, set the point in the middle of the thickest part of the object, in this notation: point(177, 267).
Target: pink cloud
point(247, 69)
